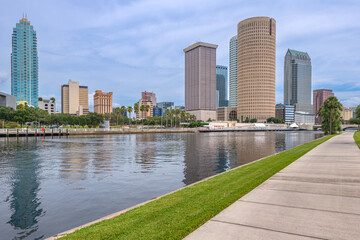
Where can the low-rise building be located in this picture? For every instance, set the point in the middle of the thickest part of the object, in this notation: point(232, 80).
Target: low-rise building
point(304, 118)
point(226, 113)
point(47, 105)
point(157, 112)
point(346, 114)
point(7, 100)
point(285, 112)
point(164, 106)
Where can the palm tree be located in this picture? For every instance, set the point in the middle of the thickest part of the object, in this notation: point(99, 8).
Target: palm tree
point(136, 110)
point(177, 112)
point(142, 109)
point(52, 99)
point(330, 112)
point(167, 114)
point(147, 108)
point(172, 115)
point(117, 112)
point(129, 109)
point(123, 111)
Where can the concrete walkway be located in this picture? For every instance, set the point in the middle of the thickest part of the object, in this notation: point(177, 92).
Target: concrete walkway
point(316, 197)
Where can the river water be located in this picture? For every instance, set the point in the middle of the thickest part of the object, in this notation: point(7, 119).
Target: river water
point(49, 185)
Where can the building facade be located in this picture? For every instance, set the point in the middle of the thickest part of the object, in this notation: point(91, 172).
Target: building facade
point(256, 68)
point(304, 118)
point(233, 52)
point(164, 106)
point(47, 105)
point(157, 112)
point(285, 112)
point(149, 96)
point(145, 114)
point(74, 99)
point(319, 97)
point(24, 63)
point(297, 80)
point(221, 86)
point(347, 114)
point(226, 113)
point(200, 80)
point(7, 100)
point(103, 102)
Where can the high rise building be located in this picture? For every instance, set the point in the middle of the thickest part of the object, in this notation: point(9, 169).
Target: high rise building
point(74, 99)
point(149, 96)
point(256, 68)
point(221, 86)
point(233, 71)
point(319, 97)
point(24, 63)
point(103, 102)
point(297, 80)
point(285, 112)
point(200, 80)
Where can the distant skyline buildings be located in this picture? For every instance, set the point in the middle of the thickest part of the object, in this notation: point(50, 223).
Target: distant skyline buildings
point(200, 80)
point(256, 68)
point(74, 99)
point(319, 97)
point(103, 102)
point(222, 86)
point(149, 96)
point(24, 63)
point(297, 80)
point(233, 55)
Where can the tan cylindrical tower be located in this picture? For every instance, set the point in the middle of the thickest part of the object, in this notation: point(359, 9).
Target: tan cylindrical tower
point(256, 68)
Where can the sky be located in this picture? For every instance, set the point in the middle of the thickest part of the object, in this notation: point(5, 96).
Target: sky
point(131, 46)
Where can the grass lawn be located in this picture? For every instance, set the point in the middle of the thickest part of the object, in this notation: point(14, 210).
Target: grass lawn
point(357, 138)
point(178, 214)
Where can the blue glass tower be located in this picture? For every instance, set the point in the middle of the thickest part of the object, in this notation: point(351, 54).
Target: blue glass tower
point(24, 63)
point(221, 86)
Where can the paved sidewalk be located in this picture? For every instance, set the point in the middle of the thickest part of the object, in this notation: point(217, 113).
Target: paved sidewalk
point(316, 197)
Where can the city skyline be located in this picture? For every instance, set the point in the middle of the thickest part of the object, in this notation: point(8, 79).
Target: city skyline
point(84, 47)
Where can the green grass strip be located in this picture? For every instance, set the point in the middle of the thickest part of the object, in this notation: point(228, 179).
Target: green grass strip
point(357, 138)
point(178, 214)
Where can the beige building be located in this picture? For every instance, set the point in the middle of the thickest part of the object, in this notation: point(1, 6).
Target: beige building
point(103, 102)
point(226, 113)
point(145, 114)
point(200, 80)
point(346, 114)
point(74, 99)
point(256, 68)
point(149, 96)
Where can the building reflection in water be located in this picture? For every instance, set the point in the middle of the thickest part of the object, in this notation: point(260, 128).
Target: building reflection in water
point(219, 152)
point(74, 160)
point(25, 185)
point(145, 152)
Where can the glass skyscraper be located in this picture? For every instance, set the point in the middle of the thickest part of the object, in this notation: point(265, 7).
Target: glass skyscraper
point(233, 72)
point(221, 86)
point(24, 63)
point(297, 80)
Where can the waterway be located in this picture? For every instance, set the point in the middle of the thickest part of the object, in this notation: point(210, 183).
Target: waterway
point(49, 185)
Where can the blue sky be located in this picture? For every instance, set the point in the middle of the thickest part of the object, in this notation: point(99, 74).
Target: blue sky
point(130, 46)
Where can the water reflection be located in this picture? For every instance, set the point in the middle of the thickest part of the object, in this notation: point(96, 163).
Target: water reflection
point(85, 178)
point(24, 202)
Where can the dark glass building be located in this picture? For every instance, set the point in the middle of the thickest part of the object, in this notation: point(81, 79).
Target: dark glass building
point(221, 86)
point(297, 80)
